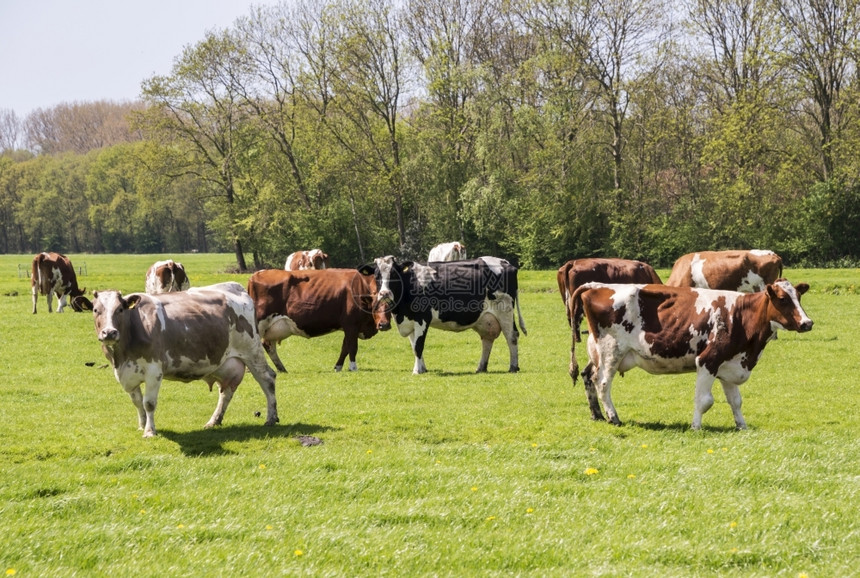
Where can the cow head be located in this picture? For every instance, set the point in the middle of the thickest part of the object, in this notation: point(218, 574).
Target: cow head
point(784, 309)
point(389, 282)
point(109, 308)
point(317, 259)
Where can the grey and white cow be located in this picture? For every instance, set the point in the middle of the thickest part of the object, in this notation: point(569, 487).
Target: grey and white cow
point(206, 333)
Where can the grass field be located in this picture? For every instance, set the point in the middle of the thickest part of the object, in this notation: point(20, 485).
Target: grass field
point(447, 473)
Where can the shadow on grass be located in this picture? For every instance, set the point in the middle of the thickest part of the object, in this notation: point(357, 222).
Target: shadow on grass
point(210, 442)
point(676, 426)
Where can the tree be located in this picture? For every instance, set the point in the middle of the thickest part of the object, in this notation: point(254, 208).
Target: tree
point(198, 109)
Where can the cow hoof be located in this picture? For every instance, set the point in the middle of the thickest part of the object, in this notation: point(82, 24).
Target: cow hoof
point(481, 369)
point(149, 434)
point(615, 421)
point(514, 369)
point(338, 368)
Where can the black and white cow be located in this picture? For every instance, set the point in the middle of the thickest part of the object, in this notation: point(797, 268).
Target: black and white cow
point(477, 294)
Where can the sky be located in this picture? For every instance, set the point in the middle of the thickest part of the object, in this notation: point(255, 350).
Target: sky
point(63, 51)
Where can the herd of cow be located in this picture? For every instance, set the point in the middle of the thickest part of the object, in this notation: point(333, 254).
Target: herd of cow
point(714, 316)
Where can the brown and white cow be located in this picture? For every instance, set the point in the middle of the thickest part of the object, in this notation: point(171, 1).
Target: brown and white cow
point(577, 272)
point(313, 303)
point(166, 277)
point(454, 251)
point(53, 273)
point(301, 260)
point(204, 333)
point(744, 271)
point(717, 334)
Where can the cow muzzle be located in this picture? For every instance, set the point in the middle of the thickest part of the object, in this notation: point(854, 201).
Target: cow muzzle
point(805, 326)
point(109, 335)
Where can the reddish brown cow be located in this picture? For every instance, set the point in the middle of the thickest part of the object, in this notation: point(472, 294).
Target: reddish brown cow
point(744, 271)
point(580, 271)
point(166, 277)
point(313, 303)
point(53, 273)
point(301, 260)
point(717, 334)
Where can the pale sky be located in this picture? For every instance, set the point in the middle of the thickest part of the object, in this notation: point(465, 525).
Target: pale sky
point(55, 51)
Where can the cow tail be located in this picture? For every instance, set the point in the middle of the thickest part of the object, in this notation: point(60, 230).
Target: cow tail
point(520, 315)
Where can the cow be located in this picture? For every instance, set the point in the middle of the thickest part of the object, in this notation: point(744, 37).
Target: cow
point(165, 277)
point(477, 294)
point(717, 334)
point(453, 251)
point(301, 260)
point(204, 333)
point(577, 272)
point(744, 271)
point(54, 273)
point(313, 303)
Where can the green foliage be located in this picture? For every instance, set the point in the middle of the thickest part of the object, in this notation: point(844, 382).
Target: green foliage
point(448, 473)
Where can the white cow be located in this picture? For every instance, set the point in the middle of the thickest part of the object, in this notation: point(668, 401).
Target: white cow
point(453, 251)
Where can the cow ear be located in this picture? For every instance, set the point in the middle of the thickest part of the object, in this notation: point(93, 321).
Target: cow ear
point(132, 301)
point(367, 269)
point(81, 303)
point(801, 288)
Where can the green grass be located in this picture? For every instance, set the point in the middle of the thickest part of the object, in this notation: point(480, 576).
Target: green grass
point(448, 473)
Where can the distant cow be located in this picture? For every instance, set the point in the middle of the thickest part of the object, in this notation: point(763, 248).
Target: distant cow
point(301, 260)
point(478, 294)
point(744, 271)
point(313, 303)
point(204, 333)
point(53, 273)
point(166, 277)
point(718, 334)
point(453, 251)
point(580, 271)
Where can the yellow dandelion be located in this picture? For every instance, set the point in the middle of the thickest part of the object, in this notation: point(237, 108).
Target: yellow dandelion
point(734, 550)
point(529, 510)
point(474, 488)
point(262, 466)
point(631, 476)
point(710, 451)
point(268, 526)
point(298, 552)
point(802, 575)
point(491, 518)
point(180, 526)
point(733, 525)
point(11, 571)
point(591, 471)
point(143, 511)
point(644, 445)
point(725, 449)
point(592, 450)
point(370, 451)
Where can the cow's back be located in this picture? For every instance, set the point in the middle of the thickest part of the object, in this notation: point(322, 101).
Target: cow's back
point(734, 270)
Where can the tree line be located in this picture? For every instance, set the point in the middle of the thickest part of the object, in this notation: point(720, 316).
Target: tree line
point(536, 130)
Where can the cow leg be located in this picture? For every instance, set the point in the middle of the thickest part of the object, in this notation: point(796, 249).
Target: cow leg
point(35, 297)
point(265, 376)
point(604, 389)
point(349, 346)
point(271, 348)
point(50, 299)
point(704, 397)
point(61, 302)
point(150, 401)
point(733, 396)
point(416, 338)
point(591, 392)
point(137, 400)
